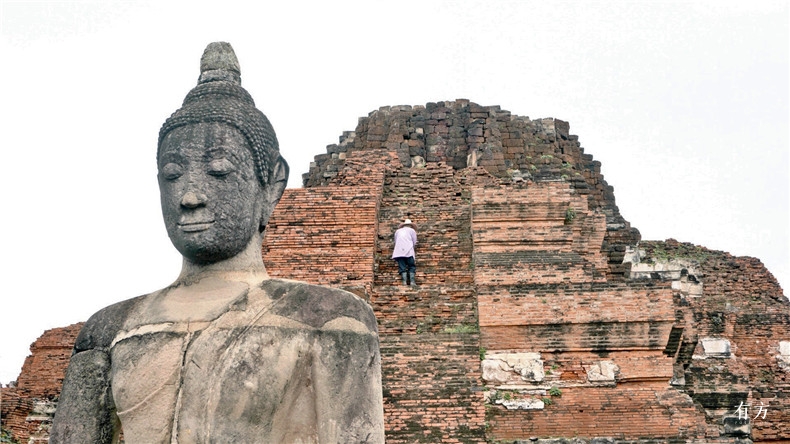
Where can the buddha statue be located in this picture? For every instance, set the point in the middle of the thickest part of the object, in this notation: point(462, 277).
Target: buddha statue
point(225, 353)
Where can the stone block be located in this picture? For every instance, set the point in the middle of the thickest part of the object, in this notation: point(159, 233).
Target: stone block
point(495, 371)
point(783, 358)
point(735, 426)
point(716, 347)
point(522, 404)
point(603, 371)
point(500, 367)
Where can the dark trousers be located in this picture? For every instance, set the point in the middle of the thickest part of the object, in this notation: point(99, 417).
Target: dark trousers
point(406, 264)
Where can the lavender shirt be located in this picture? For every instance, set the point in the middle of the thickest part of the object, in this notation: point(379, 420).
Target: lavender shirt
point(405, 240)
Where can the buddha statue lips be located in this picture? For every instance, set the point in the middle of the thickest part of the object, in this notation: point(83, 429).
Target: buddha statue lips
point(194, 227)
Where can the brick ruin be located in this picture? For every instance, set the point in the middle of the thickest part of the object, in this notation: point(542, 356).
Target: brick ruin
point(28, 407)
point(538, 314)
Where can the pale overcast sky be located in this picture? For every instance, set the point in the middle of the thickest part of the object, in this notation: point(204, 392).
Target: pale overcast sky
point(684, 102)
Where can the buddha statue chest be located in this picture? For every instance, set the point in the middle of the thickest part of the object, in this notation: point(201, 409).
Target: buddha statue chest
point(255, 373)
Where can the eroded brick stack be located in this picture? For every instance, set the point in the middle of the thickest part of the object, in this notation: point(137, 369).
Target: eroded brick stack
point(539, 234)
point(28, 408)
point(740, 305)
point(543, 295)
point(461, 133)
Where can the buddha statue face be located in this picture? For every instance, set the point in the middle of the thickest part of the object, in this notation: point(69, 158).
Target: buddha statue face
point(212, 200)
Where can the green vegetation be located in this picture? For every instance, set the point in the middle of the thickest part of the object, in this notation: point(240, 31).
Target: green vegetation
point(482, 353)
point(659, 253)
point(555, 391)
point(6, 438)
point(494, 397)
point(462, 328)
point(547, 401)
point(570, 214)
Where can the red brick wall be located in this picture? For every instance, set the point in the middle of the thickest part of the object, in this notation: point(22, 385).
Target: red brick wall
point(324, 236)
point(743, 303)
point(40, 380)
point(430, 388)
point(628, 411)
point(542, 288)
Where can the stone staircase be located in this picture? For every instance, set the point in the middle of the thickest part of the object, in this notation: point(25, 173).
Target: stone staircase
point(429, 333)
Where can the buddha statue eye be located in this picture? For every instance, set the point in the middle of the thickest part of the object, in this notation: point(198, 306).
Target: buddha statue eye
point(172, 171)
point(220, 167)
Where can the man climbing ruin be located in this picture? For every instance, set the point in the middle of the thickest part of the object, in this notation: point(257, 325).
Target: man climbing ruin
point(403, 253)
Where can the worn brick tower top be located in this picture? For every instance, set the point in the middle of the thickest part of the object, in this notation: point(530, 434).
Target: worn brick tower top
point(538, 313)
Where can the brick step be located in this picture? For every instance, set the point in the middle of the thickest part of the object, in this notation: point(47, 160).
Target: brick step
point(432, 276)
point(416, 372)
point(442, 308)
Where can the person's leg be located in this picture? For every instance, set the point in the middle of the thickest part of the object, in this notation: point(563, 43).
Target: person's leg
point(412, 270)
point(403, 267)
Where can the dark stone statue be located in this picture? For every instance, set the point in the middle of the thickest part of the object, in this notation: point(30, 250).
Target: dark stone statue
point(224, 354)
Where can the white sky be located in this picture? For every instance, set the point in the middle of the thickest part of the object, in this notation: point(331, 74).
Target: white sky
point(684, 103)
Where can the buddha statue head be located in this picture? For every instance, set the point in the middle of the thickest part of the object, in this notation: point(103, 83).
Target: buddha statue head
point(220, 170)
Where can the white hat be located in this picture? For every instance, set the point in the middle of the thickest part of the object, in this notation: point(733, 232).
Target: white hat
point(406, 222)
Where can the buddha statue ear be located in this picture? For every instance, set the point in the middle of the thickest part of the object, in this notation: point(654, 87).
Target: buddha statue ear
point(278, 179)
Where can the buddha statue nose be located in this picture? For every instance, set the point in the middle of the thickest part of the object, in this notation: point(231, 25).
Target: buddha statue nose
point(192, 199)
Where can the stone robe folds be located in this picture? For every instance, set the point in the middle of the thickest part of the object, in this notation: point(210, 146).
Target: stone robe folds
point(284, 362)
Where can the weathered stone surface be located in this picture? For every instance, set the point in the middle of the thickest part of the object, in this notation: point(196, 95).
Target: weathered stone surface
point(522, 404)
point(494, 371)
point(715, 348)
point(742, 304)
point(502, 367)
point(736, 426)
point(603, 371)
point(225, 353)
point(783, 357)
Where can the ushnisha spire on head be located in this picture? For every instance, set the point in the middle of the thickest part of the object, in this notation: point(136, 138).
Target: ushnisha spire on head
point(219, 62)
point(219, 97)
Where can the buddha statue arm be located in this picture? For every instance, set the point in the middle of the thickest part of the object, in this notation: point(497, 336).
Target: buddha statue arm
point(348, 388)
point(85, 411)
